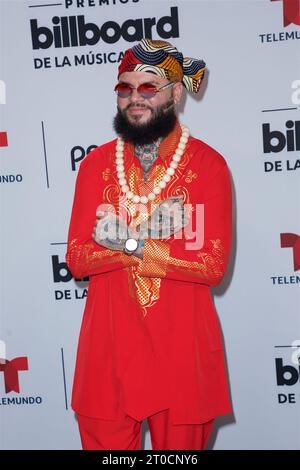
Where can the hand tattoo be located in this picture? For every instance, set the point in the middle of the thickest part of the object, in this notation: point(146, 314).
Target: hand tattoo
point(167, 219)
point(111, 231)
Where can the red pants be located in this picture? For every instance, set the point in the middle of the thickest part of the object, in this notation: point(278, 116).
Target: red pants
point(125, 433)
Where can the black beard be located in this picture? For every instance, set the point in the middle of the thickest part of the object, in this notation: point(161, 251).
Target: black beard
point(161, 123)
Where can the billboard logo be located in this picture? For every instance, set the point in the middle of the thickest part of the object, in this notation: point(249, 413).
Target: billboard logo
point(73, 31)
point(276, 141)
point(285, 373)
point(62, 274)
point(291, 11)
point(288, 373)
point(288, 140)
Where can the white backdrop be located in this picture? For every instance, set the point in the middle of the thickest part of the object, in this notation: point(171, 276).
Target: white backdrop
point(56, 104)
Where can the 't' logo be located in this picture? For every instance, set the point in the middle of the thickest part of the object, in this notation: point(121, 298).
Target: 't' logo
point(292, 240)
point(291, 12)
point(11, 372)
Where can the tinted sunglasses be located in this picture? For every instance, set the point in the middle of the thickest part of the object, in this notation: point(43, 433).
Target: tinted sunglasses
point(146, 90)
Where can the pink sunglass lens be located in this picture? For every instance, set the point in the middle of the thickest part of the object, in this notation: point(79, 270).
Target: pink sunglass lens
point(123, 90)
point(145, 90)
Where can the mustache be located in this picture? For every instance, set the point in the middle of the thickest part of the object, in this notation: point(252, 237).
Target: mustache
point(136, 105)
point(167, 105)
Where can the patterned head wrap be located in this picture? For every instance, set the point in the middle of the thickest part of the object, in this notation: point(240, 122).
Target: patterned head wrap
point(163, 59)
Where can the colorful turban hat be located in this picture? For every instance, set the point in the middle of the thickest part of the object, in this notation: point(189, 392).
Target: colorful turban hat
point(163, 59)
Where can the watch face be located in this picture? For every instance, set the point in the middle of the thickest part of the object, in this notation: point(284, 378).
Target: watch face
point(131, 244)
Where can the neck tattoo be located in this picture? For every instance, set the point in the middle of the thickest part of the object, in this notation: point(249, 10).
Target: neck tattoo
point(147, 154)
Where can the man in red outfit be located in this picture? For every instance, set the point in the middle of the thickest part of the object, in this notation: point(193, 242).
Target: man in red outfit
point(151, 227)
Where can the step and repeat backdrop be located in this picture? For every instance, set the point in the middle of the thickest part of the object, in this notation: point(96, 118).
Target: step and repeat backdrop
point(59, 63)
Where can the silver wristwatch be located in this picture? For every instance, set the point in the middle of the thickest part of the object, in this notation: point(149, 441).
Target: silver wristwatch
point(131, 246)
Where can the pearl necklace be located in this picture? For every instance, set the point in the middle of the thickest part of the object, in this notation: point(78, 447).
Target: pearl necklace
point(165, 179)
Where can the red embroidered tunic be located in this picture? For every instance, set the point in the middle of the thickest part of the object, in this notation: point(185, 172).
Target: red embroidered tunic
point(150, 336)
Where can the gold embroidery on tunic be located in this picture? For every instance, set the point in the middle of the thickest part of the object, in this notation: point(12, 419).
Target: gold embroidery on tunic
point(106, 174)
point(88, 255)
point(211, 262)
point(190, 176)
point(145, 291)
